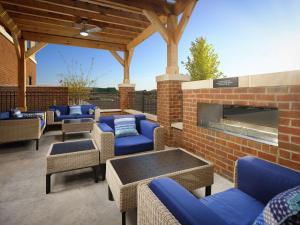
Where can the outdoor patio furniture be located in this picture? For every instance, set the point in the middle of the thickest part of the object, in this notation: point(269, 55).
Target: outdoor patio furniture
point(125, 173)
point(165, 202)
point(151, 137)
point(69, 156)
point(28, 127)
point(64, 113)
point(76, 125)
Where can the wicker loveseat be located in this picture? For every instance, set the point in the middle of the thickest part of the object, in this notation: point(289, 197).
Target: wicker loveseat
point(151, 137)
point(165, 202)
point(21, 129)
point(53, 119)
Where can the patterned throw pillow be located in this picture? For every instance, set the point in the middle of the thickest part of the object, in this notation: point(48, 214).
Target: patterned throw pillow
point(125, 127)
point(91, 111)
point(17, 113)
point(283, 209)
point(57, 113)
point(75, 110)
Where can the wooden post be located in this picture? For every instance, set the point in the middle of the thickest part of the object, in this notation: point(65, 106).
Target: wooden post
point(172, 46)
point(22, 77)
point(126, 79)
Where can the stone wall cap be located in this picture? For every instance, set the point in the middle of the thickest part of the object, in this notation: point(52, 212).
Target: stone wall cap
point(177, 125)
point(286, 78)
point(167, 77)
point(126, 85)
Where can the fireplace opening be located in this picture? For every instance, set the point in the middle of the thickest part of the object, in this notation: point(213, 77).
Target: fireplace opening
point(254, 123)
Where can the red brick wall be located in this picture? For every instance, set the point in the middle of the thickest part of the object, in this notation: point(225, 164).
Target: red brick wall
point(125, 97)
point(9, 64)
point(224, 149)
point(169, 106)
point(38, 98)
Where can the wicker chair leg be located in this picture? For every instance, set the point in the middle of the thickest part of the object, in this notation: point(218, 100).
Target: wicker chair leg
point(123, 218)
point(96, 173)
point(102, 171)
point(207, 190)
point(110, 196)
point(37, 144)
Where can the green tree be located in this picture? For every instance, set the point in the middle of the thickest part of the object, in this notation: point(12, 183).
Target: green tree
point(77, 80)
point(203, 62)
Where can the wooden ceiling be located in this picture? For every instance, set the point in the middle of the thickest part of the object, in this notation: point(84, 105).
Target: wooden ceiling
point(122, 22)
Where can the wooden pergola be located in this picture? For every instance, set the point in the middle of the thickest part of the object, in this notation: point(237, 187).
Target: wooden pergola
point(120, 25)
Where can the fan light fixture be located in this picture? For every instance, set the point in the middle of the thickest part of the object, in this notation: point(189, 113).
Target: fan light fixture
point(84, 33)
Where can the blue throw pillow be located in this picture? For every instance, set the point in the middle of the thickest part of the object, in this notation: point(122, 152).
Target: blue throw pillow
point(283, 209)
point(75, 110)
point(125, 127)
point(16, 113)
point(91, 111)
point(57, 113)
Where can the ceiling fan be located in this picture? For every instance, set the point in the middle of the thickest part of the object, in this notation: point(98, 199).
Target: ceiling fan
point(86, 30)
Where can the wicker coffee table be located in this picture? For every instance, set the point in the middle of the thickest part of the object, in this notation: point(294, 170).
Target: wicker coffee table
point(71, 155)
point(124, 174)
point(76, 125)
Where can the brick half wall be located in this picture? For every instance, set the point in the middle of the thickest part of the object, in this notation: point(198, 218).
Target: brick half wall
point(224, 149)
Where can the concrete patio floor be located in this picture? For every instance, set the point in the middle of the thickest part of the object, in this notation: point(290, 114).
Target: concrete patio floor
point(74, 199)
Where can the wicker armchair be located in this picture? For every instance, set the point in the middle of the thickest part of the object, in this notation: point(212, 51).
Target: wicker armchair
point(165, 202)
point(105, 139)
point(13, 130)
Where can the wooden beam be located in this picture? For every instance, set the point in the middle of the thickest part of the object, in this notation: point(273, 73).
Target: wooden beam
point(117, 57)
point(154, 19)
point(63, 17)
point(130, 55)
point(46, 7)
point(22, 77)
point(12, 27)
point(172, 47)
point(33, 50)
point(145, 34)
point(180, 6)
point(184, 20)
point(55, 39)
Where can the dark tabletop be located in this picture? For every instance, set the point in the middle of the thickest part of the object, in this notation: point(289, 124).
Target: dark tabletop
point(83, 120)
point(142, 167)
point(72, 146)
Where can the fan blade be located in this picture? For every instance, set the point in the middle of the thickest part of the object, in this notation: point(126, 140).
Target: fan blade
point(93, 30)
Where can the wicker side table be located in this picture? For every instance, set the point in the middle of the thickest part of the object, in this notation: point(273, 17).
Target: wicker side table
point(71, 155)
point(76, 125)
point(124, 174)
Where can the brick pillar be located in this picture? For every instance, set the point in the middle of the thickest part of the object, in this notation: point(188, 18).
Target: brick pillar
point(169, 102)
point(125, 96)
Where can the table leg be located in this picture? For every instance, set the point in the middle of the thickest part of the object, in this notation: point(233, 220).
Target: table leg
point(48, 183)
point(96, 173)
point(123, 218)
point(110, 196)
point(207, 190)
point(63, 136)
point(102, 171)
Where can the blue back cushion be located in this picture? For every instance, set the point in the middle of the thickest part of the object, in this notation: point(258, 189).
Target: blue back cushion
point(185, 207)
point(4, 115)
point(109, 120)
point(138, 118)
point(263, 180)
point(85, 108)
point(64, 110)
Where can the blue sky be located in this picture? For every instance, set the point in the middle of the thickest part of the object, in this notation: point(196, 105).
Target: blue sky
point(250, 37)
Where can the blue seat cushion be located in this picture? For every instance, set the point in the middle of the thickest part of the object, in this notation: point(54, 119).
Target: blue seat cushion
point(64, 110)
point(65, 117)
point(234, 206)
point(105, 128)
point(132, 144)
point(85, 108)
point(184, 206)
point(42, 123)
point(4, 115)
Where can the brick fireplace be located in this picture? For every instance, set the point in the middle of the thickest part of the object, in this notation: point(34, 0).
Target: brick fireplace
point(279, 90)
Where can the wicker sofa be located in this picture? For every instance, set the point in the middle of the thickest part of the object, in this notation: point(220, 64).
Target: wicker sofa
point(151, 138)
point(165, 202)
point(53, 119)
point(21, 129)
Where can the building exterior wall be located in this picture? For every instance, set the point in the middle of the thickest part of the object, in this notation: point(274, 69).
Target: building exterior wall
point(224, 149)
point(9, 63)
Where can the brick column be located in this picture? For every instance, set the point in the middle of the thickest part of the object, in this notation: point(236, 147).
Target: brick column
point(124, 91)
point(169, 102)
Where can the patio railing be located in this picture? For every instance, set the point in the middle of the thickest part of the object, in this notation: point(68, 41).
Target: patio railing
point(144, 101)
